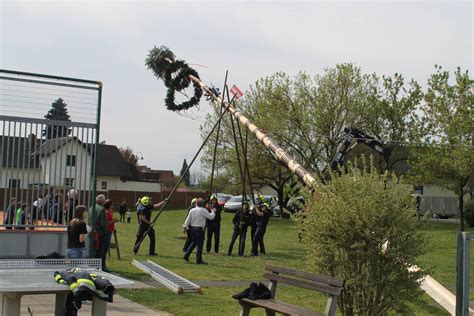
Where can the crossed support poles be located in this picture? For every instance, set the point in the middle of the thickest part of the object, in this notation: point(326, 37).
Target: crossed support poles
point(270, 144)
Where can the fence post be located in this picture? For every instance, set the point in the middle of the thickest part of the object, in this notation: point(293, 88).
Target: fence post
point(463, 266)
point(466, 276)
point(459, 274)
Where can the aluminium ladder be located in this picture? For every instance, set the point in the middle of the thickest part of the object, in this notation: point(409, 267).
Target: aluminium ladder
point(167, 278)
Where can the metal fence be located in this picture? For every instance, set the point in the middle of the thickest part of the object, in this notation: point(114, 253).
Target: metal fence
point(47, 157)
point(441, 205)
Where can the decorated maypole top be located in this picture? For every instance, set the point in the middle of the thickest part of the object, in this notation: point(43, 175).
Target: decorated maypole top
point(177, 75)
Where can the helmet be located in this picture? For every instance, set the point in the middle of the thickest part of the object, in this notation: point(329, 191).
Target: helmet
point(72, 194)
point(262, 198)
point(213, 197)
point(145, 200)
point(193, 201)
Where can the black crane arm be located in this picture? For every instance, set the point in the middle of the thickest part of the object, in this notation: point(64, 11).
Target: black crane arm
point(352, 137)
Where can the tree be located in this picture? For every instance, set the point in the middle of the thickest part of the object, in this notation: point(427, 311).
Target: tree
point(187, 174)
point(391, 116)
point(447, 125)
point(58, 112)
point(130, 159)
point(305, 115)
point(363, 227)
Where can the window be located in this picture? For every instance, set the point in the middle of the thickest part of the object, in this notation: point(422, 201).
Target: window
point(71, 160)
point(69, 182)
point(103, 185)
point(14, 183)
point(418, 189)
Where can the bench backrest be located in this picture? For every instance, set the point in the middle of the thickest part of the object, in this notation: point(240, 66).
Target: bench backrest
point(321, 283)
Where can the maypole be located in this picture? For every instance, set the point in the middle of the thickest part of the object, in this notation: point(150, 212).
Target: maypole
point(177, 75)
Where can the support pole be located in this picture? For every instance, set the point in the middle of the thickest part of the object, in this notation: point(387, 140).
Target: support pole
point(137, 246)
point(279, 152)
point(462, 274)
point(217, 140)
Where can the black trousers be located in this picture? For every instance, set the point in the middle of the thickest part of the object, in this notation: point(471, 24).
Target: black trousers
point(243, 236)
point(253, 229)
point(213, 228)
point(70, 308)
point(122, 217)
point(151, 234)
point(197, 234)
point(258, 240)
point(188, 241)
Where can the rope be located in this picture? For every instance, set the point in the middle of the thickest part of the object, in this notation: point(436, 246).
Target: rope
point(137, 246)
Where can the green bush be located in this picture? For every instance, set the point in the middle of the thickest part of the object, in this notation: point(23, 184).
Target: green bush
point(345, 228)
point(469, 213)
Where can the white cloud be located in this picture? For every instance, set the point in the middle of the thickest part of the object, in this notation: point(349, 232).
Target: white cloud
point(109, 40)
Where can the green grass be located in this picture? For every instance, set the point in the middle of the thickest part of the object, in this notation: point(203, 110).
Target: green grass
point(283, 248)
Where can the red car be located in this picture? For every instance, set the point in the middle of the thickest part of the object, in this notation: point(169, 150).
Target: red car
point(223, 198)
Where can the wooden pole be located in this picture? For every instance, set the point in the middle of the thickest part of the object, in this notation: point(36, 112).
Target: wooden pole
point(273, 146)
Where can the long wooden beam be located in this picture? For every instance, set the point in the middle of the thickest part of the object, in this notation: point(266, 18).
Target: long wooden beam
point(267, 141)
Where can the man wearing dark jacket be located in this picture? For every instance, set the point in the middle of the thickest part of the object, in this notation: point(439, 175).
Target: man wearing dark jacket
point(98, 223)
point(144, 209)
point(214, 225)
point(263, 216)
point(241, 221)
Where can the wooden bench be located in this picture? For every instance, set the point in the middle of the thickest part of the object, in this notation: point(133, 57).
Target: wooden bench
point(320, 283)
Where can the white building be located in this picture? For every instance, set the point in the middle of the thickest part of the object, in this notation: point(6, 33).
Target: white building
point(28, 163)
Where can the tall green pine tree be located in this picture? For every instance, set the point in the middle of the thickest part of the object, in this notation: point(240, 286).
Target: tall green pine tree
point(58, 112)
point(187, 176)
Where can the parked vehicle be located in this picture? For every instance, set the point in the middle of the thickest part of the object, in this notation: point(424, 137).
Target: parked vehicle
point(235, 203)
point(222, 198)
point(273, 202)
point(295, 204)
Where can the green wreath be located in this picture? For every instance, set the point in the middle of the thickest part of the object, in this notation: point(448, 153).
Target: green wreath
point(175, 75)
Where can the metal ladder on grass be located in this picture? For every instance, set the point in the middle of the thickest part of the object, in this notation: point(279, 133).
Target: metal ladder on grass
point(167, 278)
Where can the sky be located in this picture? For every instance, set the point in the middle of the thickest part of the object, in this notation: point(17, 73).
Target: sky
point(109, 40)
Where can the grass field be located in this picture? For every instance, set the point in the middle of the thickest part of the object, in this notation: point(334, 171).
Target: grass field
point(283, 248)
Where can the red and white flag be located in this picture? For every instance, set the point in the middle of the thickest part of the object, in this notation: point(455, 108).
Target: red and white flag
point(236, 92)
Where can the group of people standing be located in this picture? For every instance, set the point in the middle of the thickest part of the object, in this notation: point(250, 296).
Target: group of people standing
point(52, 208)
point(16, 215)
point(204, 216)
point(100, 229)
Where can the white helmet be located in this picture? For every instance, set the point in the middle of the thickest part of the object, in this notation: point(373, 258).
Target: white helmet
point(72, 194)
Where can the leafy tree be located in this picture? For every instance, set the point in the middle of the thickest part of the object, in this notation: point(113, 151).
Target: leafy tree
point(448, 125)
point(391, 116)
point(187, 174)
point(362, 227)
point(58, 112)
point(305, 115)
point(131, 159)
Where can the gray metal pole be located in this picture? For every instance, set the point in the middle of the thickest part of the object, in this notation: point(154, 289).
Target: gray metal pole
point(459, 274)
point(466, 272)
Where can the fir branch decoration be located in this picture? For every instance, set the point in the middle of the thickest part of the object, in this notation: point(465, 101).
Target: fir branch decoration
point(175, 75)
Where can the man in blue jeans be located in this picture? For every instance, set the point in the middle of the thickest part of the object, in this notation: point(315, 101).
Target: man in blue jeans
point(195, 222)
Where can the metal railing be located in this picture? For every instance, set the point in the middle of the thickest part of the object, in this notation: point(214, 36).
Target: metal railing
point(47, 264)
point(48, 160)
point(441, 205)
